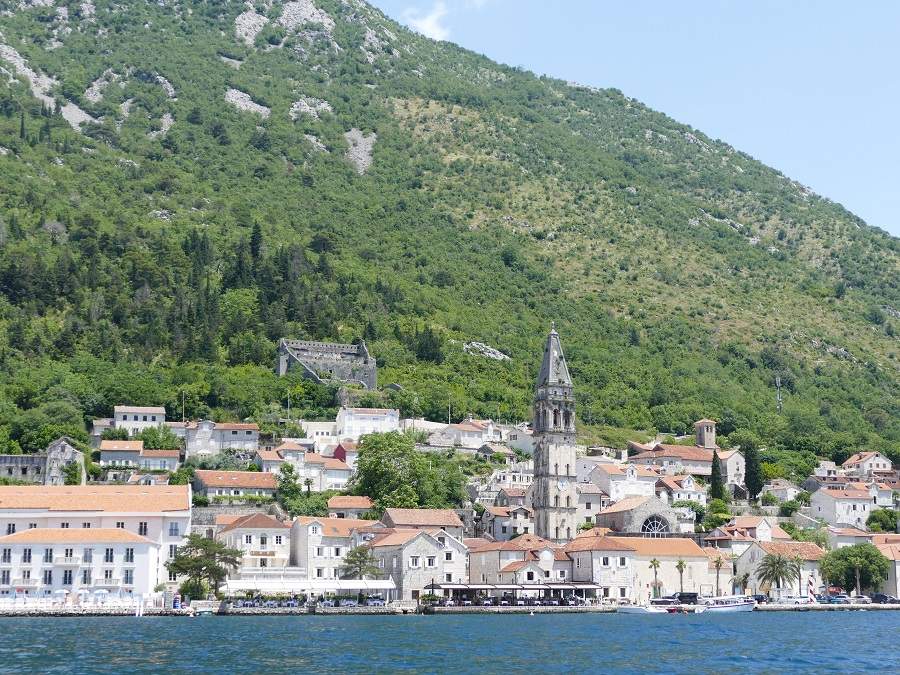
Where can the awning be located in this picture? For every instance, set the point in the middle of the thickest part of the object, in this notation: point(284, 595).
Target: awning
point(481, 587)
point(508, 587)
point(560, 587)
point(297, 585)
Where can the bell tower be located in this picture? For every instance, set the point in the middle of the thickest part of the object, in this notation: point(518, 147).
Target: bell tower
point(554, 496)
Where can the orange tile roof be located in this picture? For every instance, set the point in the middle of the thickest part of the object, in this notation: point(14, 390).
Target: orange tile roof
point(885, 538)
point(525, 542)
point(498, 511)
point(626, 504)
point(267, 455)
point(161, 454)
point(474, 543)
point(235, 426)
point(516, 565)
point(890, 551)
point(849, 532)
point(617, 470)
point(688, 452)
point(226, 518)
point(350, 502)
point(395, 538)
point(328, 462)
point(844, 493)
point(336, 527)
point(74, 535)
point(806, 550)
point(121, 446)
point(674, 483)
point(373, 411)
point(663, 546)
point(237, 479)
point(115, 498)
point(747, 521)
point(513, 491)
point(255, 521)
point(594, 532)
point(858, 458)
point(596, 544)
point(423, 517)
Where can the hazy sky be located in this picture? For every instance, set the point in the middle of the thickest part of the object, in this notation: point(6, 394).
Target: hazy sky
point(810, 87)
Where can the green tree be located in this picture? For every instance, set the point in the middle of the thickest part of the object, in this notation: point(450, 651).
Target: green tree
point(654, 565)
point(749, 448)
point(115, 434)
point(160, 438)
point(359, 562)
point(288, 488)
point(860, 566)
point(778, 570)
point(204, 560)
point(680, 566)
point(882, 520)
point(72, 473)
point(716, 484)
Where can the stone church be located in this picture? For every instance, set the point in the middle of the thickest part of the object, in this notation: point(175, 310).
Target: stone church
point(554, 495)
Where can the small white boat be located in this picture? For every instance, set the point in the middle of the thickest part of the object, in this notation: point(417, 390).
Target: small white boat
point(640, 609)
point(729, 603)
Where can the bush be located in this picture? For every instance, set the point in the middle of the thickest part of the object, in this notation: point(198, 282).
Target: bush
point(769, 499)
point(200, 500)
point(193, 589)
point(789, 508)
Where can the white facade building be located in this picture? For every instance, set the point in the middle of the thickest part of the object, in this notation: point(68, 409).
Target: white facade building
point(842, 506)
point(620, 481)
point(134, 419)
point(318, 545)
point(265, 542)
point(205, 438)
point(414, 559)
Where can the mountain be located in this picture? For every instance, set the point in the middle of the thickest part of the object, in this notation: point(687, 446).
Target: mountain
point(185, 182)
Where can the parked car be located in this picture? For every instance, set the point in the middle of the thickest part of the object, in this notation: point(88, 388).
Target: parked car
point(347, 602)
point(551, 602)
point(794, 600)
point(884, 599)
point(290, 603)
point(326, 603)
point(861, 600)
point(466, 603)
point(841, 599)
point(761, 598)
point(687, 598)
point(664, 602)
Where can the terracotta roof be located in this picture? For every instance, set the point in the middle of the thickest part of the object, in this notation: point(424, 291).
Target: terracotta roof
point(618, 470)
point(674, 483)
point(844, 493)
point(849, 532)
point(746, 521)
point(715, 553)
point(474, 543)
point(704, 421)
point(350, 502)
point(805, 549)
point(858, 458)
point(395, 538)
point(688, 452)
point(525, 542)
point(498, 511)
point(423, 517)
point(513, 491)
point(226, 518)
point(328, 462)
point(626, 504)
point(516, 565)
point(255, 521)
point(778, 533)
point(890, 551)
point(150, 410)
point(237, 479)
point(336, 527)
point(594, 532)
point(468, 426)
point(885, 538)
point(348, 445)
point(121, 446)
point(115, 498)
point(590, 489)
point(268, 455)
point(596, 544)
point(74, 535)
point(680, 547)
point(235, 426)
point(161, 453)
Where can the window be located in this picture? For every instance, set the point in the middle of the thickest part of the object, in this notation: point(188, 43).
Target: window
point(85, 577)
point(120, 525)
point(605, 591)
point(142, 528)
point(48, 577)
point(67, 578)
point(414, 561)
point(529, 576)
point(442, 541)
point(337, 551)
point(173, 530)
point(153, 418)
point(562, 574)
point(278, 540)
point(173, 576)
point(263, 562)
point(234, 433)
point(48, 555)
point(320, 551)
point(605, 561)
point(248, 539)
point(448, 556)
point(107, 575)
point(88, 555)
point(622, 592)
point(69, 553)
point(7, 555)
point(430, 561)
point(622, 561)
point(546, 574)
point(173, 550)
point(587, 506)
point(314, 529)
point(85, 526)
point(448, 578)
point(64, 526)
point(10, 528)
point(108, 556)
point(320, 572)
point(503, 529)
point(26, 555)
point(129, 555)
point(135, 418)
point(32, 526)
point(394, 562)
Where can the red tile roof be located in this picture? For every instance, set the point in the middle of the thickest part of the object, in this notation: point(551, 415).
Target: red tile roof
point(422, 518)
point(97, 498)
point(121, 446)
point(237, 479)
point(806, 550)
point(255, 521)
point(350, 502)
point(594, 543)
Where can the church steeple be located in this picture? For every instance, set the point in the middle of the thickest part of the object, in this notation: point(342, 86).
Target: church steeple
point(554, 497)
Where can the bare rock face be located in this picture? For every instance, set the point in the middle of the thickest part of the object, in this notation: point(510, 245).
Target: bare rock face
point(316, 143)
point(295, 14)
point(242, 101)
point(360, 151)
point(248, 25)
point(165, 123)
point(309, 106)
point(94, 93)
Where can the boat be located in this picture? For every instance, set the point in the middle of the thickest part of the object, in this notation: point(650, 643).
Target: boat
point(729, 603)
point(640, 609)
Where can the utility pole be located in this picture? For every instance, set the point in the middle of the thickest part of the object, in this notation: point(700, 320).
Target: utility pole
point(778, 400)
point(182, 407)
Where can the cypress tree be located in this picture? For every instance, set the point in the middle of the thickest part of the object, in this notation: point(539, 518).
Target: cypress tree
point(753, 478)
point(716, 486)
point(22, 125)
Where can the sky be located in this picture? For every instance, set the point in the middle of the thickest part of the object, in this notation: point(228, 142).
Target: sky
point(809, 87)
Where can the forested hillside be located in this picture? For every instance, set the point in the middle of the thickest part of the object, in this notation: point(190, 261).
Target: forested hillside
point(184, 182)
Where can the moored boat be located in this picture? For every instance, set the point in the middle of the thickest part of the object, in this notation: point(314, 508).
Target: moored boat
point(640, 609)
point(729, 603)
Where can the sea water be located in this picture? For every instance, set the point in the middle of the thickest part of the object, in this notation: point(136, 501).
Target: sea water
point(788, 642)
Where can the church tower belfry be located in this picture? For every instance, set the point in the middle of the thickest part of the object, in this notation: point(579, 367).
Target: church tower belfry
point(554, 497)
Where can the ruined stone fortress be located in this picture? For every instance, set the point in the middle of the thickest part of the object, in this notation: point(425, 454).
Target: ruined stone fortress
point(326, 361)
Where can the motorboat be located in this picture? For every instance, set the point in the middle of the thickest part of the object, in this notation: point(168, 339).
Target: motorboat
point(729, 603)
point(640, 609)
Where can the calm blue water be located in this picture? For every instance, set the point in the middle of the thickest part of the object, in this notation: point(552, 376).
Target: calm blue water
point(758, 643)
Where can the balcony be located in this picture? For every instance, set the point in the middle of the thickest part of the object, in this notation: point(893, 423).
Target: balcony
point(25, 583)
point(107, 583)
point(67, 561)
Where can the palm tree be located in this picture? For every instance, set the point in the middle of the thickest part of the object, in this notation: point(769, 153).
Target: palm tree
point(308, 482)
point(680, 565)
point(741, 581)
point(778, 570)
point(655, 565)
point(718, 563)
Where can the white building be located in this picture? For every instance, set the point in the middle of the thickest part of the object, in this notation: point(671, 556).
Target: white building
point(323, 473)
point(809, 554)
point(222, 485)
point(134, 419)
point(604, 561)
point(889, 545)
point(354, 423)
point(504, 522)
point(205, 438)
point(591, 500)
point(265, 542)
point(696, 577)
point(161, 514)
point(80, 563)
point(133, 455)
point(620, 481)
point(488, 563)
point(864, 464)
point(673, 489)
point(318, 545)
point(349, 506)
point(842, 506)
point(424, 519)
point(783, 490)
point(839, 537)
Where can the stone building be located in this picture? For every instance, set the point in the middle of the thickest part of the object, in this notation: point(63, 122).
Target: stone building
point(554, 497)
point(649, 516)
point(44, 468)
point(324, 361)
